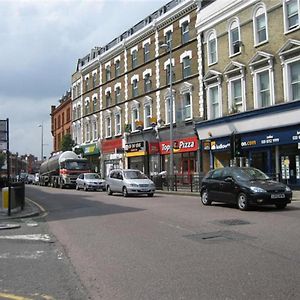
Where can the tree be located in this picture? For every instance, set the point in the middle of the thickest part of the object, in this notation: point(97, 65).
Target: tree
point(2, 159)
point(67, 143)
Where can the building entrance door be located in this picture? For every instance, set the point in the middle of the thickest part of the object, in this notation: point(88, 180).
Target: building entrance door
point(188, 169)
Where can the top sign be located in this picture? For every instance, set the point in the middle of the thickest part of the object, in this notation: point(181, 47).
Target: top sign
point(189, 144)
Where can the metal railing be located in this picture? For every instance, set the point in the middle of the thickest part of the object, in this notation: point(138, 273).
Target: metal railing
point(189, 183)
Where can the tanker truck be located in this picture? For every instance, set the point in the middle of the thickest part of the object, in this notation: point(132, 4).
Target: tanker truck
point(61, 170)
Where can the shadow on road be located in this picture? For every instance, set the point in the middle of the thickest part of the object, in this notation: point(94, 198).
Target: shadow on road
point(62, 205)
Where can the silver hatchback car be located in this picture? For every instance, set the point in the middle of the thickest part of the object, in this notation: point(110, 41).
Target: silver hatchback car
point(129, 182)
point(90, 181)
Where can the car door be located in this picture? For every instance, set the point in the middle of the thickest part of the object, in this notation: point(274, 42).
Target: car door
point(80, 181)
point(227, 186)
point(119, 181)
point(112, 180)
point(213, 186)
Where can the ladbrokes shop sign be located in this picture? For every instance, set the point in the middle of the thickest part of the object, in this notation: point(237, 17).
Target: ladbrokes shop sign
point(189, 144)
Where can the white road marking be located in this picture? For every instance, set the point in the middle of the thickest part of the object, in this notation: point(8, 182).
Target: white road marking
point(25, 255)
point(29, 237)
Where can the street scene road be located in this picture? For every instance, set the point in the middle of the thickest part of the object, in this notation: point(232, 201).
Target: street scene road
point(168, 247)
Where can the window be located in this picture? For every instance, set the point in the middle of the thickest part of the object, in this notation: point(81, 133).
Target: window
point(147, 115)
point(68, 115)
point(168, 67)
point(108, 126)
point(134, 88)
point(185, 32)
point(134, 59)
point(74, 114)
point(86, 84)
point(212, 48)
point(78, 111)
point(95, 133)
point(236, 96)
point(169, 38)
point(147, 83)
point(234, 38)
point(94, 80)
point(186, 67)
point(263, 89)
point(107, 73)
point(87, 131)
point(291, 11)
point(94, 104)
point(294, 70)
point(117, 68)
point(213, 102)
point(187, 106)
point(118, 94)
point(260, 25)
point(146, 52)
point(134, 118)
point(87, 107)
point(168, 110)
point(108, 99)
point(118, 123)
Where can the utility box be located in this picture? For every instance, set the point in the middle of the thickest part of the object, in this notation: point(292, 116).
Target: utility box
point(4, 203)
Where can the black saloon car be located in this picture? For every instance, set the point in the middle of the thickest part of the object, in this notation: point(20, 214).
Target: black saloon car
point(245, 187)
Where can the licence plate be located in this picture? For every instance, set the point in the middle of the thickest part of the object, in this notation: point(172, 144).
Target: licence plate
point(277, 196)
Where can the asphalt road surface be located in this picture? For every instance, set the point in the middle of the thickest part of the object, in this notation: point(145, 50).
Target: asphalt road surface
point(167, 247)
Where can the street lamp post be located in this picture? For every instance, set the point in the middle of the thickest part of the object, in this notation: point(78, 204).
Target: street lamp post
point(168, 46)
point(42, 141)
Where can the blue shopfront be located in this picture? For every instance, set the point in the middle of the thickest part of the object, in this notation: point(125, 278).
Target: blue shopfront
point(274, 151)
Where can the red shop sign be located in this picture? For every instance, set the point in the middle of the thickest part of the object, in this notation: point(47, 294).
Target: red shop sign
point(153, 148)
point(110, 146)
point(189, 144)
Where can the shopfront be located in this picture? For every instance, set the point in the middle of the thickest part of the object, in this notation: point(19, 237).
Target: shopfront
point(92, 153)
point(270, 140)
point(275, 152)
point(137, 156)
point(185, 156)
point(112, 155)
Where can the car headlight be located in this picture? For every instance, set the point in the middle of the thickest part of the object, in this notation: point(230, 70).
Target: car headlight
point(134, 185)
point(256, 189)
point(287, 189)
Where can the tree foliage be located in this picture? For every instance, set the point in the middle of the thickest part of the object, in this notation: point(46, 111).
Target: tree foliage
point(67, 143)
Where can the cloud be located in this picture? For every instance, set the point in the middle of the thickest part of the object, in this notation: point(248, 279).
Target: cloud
point(41, 41)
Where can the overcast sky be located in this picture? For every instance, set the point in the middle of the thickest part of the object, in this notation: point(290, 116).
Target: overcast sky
point(41, 41)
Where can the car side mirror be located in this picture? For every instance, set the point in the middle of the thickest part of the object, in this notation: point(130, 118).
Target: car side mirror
point(229, 179)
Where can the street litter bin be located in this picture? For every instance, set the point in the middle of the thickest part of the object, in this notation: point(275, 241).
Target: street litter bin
point(4, 203)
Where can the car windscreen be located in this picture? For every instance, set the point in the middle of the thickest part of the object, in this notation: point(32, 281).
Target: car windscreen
point(76, 165)
point(134, 175)
point(92, 176)
point(249, 174)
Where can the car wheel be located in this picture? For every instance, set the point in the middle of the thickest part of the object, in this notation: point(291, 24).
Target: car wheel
point(281, 205)
point(125, 192)
point(109, 192)
point(243, 202)
point(150, 195)
point(204, 198)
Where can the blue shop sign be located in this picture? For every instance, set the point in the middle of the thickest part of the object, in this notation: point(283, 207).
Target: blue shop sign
point(280, 136)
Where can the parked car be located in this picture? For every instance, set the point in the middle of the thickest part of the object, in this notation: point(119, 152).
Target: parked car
point(36, 179)
point(30, 179)
point(245, 187)
point(129, 182)
point(90, 181)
